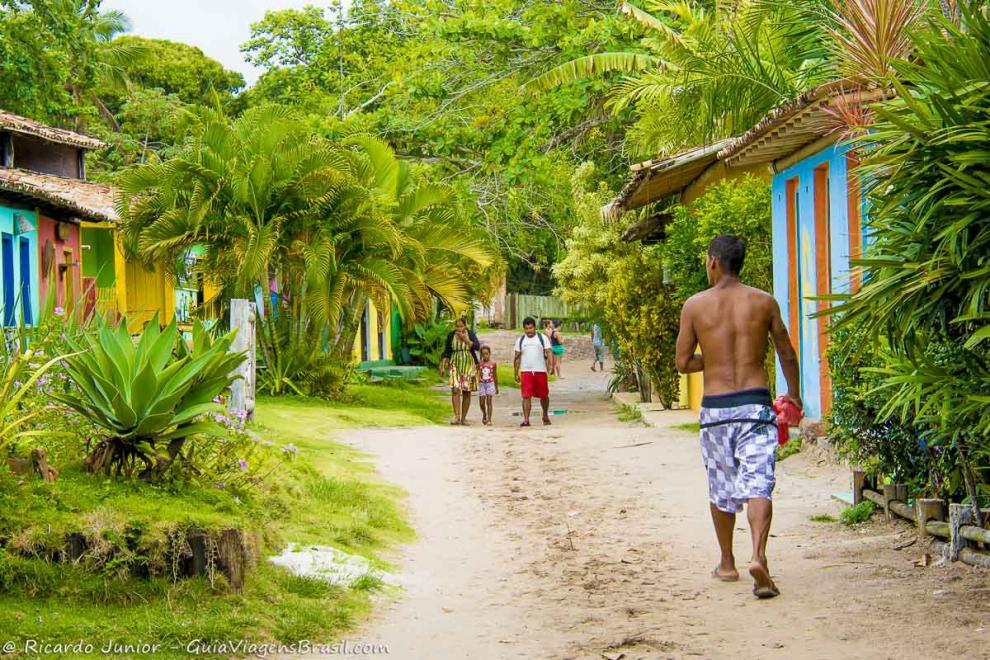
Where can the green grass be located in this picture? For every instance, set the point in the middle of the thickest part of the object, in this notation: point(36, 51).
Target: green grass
point(690, 427)
point(329, 495)
point(631, 414)
point(792, 447)
point(823, 518)
point(860, 513)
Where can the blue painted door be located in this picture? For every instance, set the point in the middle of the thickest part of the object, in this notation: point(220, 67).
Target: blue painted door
point(7, 270)
point(26, 270)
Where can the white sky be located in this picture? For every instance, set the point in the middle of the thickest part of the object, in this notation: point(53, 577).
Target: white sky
point(217, 27)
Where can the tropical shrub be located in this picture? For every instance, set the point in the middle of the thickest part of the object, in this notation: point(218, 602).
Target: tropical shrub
point(17, 386)
point(924, 302)
point(733, 206)
point(643, 313)
point(885, 446)
point(426, 341)
point(147, 397)
point(623, 284)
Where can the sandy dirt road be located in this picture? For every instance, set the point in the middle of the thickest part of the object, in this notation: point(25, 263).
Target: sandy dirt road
point(591, 539)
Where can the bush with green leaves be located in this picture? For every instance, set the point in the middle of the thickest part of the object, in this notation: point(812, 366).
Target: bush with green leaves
point(643, 313)
point(18, 383)
point(924, 304)
point(148, 397)
point(426, 341)
point(885, 446)
point(733, 206)
point(857, 514)
point(623, 284)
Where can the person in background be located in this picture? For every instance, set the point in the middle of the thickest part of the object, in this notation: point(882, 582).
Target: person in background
point(488, 384)
point(460, 363)
point(548, 335)
point(599, 346)
point(557, 348)
point(530, 366)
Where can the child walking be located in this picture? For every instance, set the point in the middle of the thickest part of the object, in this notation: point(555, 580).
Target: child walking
point(488, 384)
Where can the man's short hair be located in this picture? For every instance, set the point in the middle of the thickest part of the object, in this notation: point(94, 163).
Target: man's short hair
point(730, 250)
point(529, 320)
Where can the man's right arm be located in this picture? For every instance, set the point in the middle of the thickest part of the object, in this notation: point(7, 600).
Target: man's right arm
point(515, 365)
point(786, 354)
point(687, 360)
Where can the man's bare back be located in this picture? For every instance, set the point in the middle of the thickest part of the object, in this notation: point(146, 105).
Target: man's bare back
point(733, 324)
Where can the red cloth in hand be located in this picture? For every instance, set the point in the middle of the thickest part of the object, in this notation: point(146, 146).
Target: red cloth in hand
point(787, 415)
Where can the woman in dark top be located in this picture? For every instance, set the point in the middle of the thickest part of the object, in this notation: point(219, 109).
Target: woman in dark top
point(460, 363)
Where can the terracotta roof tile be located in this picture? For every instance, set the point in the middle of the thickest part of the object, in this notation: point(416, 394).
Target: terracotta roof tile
point(17, 124)
point(94, 201)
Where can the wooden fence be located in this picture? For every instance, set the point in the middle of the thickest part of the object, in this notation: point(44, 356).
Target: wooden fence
point(518, 306)
point(966, 540)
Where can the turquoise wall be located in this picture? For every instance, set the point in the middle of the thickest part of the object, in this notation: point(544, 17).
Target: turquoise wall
point(7, 226)
point(806, 336)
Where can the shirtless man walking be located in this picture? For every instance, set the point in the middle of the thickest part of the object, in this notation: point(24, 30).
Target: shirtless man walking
point(733, 323)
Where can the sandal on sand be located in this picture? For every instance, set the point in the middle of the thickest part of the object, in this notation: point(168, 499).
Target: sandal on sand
point(765, 590)
point(525, 424)
point(724, 578)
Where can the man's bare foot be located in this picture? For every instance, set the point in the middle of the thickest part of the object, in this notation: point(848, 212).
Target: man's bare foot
point(725, 575)
point(546, 421)
point(763, 586)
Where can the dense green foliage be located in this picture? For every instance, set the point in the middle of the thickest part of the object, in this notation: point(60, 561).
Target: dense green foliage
point(625, 284)
point(924, 305)
point(884, 445)
point(179, 69)
point(740, 207)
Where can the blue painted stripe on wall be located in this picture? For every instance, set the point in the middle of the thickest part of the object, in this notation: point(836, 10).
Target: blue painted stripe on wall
point(804, 170)
point(7, 226)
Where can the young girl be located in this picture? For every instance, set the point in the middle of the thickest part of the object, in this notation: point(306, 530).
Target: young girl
point(488, 385)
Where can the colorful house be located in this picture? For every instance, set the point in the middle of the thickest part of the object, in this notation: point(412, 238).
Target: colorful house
point(817, 220)
point(683, 177)
point(378, 337)
point(58, 232)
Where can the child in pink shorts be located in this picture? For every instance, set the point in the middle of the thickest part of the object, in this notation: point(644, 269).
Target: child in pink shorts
point(488, 383)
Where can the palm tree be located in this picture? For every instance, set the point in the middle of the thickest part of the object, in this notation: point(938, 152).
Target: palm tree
point(710, 71)
point(95, 59)
point(330, 226)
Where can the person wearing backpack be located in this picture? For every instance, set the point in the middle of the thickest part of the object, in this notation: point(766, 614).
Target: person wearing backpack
point(530, 366)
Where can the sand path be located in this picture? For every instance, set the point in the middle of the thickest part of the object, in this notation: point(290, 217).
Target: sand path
point(591, 539)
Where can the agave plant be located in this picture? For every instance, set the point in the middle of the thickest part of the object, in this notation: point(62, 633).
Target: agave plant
point(149, 396)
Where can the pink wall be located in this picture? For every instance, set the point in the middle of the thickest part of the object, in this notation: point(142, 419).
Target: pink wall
point(56, 277)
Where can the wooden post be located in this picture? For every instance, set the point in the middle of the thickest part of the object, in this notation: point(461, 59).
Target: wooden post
point(900, 493)
point(858, 484)
point(959, 515)
point(928, 509)
point(242, 391)
point(889, 495)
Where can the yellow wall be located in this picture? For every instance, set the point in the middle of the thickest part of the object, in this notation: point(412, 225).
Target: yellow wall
point(141, 293)
point(374, 353)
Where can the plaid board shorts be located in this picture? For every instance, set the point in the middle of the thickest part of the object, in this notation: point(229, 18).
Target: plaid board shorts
point(738, 446)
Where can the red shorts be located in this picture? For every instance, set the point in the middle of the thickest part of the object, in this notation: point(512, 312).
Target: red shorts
point(534, 383)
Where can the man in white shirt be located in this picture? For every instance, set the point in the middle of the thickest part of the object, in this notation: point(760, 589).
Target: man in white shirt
point(532, 355)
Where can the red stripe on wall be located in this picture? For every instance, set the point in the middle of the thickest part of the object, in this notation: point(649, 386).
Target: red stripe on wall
point(823, 277)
